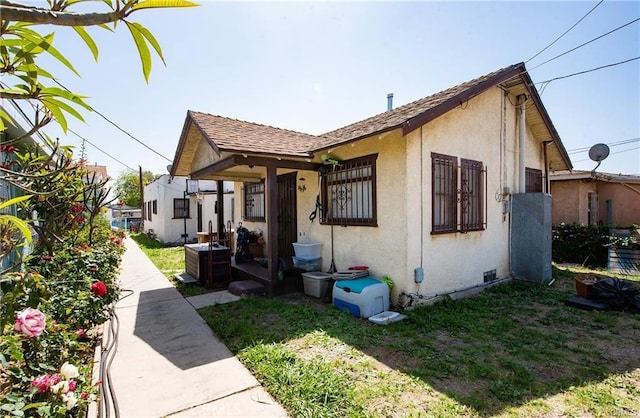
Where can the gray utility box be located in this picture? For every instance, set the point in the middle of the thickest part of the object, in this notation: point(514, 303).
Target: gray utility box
point(531, 236)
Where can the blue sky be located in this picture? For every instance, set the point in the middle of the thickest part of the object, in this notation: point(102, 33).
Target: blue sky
point(314, 67)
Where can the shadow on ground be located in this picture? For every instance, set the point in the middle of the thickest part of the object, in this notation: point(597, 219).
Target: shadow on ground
point(173, 328)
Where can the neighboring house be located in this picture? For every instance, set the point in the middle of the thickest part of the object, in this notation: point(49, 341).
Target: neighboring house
point(12, 137)
point(123, 216)
point(432, 193)
point(592, 198)
point(172, 211)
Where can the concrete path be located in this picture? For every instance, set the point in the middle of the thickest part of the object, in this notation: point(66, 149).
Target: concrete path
point(168, 363)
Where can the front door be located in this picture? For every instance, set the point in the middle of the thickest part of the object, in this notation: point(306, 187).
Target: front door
point(287, 215)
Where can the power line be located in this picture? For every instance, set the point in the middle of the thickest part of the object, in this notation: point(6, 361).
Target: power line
point(610, 144)
point(546, 82)
point(99, 149)
point(118, 127)
point(586, 43)
point(613, 153)
point(567, 31)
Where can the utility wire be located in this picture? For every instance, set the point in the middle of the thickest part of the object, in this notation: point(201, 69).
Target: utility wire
point(546, 82)
point(613, 153)
point(610, 144)
point(99, 149)
point(567, 31)
point(586, 43)
point(118, 127)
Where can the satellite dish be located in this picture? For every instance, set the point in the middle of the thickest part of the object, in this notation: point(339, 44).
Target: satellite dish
point(599, 152)
point(170, 166)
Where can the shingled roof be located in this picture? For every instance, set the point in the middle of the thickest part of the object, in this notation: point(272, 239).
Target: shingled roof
point(225, 134)
point(236, 135)
point(402, 116)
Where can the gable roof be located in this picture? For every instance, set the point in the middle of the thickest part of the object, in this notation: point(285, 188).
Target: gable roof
point(224, 134)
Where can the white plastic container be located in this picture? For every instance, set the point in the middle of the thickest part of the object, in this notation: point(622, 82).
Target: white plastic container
point(307, 249)
point(307, 264)
point(316, 283)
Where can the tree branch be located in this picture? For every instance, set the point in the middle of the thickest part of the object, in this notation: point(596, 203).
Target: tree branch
point(17, 12)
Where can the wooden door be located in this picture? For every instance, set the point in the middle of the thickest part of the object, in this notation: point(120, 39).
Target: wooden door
point(287, 215)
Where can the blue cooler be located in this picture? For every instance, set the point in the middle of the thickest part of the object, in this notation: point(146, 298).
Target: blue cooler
point(363, 297)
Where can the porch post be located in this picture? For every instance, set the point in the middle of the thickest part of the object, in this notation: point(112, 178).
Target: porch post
point(272, 226)
point(220, 203)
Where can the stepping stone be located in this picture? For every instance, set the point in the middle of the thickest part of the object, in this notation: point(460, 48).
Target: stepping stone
point(185, 278)
point(586, 304)
point(246, 287)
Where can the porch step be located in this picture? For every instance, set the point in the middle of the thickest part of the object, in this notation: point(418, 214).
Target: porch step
point(246, 287)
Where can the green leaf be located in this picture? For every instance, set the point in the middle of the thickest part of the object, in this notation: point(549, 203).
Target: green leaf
point(18, 223)
point(14, 201)
point(148, 4)
point(63, 106)
point(143, 49)
point(45, 42)
point(80, 30)
point(56, 112)
point(152, 40)
point(66, 94)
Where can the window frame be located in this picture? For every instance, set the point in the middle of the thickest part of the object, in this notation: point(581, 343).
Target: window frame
point(259, 193)
point(458, 194)
point(185, 208)
point(444, 186)
point(357, 202)
point(533, 177)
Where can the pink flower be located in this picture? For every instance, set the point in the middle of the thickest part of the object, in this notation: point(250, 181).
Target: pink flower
point(45, 382)
point(80, 332)
point(99, 289)
point(42, 383)
point(30, 322)
point(47, 257)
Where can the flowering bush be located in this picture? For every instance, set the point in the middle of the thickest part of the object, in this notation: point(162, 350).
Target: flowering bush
point(47, 319)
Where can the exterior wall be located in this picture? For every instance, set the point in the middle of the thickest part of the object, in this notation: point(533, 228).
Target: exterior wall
point(475, 131)
point(625, 201)
point(486, 129)
point(570, 201)
point(170, 230)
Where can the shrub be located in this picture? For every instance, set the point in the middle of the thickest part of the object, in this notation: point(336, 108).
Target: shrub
point(583, 244)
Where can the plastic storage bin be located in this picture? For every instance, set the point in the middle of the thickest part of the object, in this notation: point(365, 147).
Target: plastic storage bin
point(308, 264)
point(363, 297)
point(316, 283)
point(307, 249)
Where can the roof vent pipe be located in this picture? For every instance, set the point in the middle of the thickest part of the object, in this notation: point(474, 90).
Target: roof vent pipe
point(389, 101)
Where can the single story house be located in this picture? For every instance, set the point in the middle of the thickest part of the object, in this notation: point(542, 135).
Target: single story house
point(591, 198)
point(445, 194)
point(177, 209)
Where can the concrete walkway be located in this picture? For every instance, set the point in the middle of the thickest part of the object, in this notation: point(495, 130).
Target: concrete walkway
point(168, 363)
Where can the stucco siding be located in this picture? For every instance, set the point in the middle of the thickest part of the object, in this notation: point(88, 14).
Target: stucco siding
point(625, 203)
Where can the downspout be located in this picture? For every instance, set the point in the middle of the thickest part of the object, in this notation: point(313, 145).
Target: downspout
point(546, 167)
point(522, 99)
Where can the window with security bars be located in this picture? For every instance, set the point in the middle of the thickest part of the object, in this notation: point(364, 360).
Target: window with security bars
point(155, 207)
point(349, 193)
point(254, 202)
point(533, 180)
point(458, 194)
point(180, 208)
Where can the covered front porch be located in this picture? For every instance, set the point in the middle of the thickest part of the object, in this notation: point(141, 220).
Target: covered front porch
point(220, 151)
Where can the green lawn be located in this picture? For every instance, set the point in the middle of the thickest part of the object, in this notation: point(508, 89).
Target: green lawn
point(515, 350)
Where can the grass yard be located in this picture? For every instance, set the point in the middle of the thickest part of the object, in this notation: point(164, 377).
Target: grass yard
point(169, 260)
point(513, 351)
